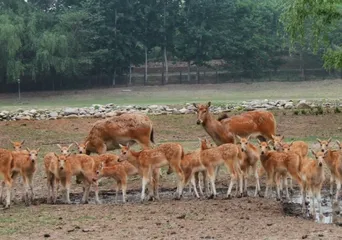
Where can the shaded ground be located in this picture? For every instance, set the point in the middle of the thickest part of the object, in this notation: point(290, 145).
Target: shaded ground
point(168, 219)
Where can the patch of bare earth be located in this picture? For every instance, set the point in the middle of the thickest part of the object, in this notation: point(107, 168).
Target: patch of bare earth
point(189, 218)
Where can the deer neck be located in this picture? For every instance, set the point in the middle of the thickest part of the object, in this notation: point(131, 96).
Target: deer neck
point(134, 158)
point(216, 130)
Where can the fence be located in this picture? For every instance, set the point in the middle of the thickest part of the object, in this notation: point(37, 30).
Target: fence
point(176, 76)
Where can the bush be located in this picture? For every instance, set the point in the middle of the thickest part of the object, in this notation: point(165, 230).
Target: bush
point(337, 110)
point(296, 112)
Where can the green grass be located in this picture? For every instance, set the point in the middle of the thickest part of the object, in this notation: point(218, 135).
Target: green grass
point(177, 94)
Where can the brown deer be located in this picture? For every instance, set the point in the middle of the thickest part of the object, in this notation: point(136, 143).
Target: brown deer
point(126, 128)
point(119, 172)
point(6, 165)
point(277, 165)
point(227, 154)
point(250, 162)
point(313, 178)
point(333, 160)
point(299, 147)
point(17, 145)
point(255, 123)
point(149, 161)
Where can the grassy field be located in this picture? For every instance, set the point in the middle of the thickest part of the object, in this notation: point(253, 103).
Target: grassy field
point(167, 219)
point(177, 94)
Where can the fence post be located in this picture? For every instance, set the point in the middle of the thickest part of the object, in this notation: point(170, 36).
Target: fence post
point(180, 77)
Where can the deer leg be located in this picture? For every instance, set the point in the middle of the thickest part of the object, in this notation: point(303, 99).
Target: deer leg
point(97, 199)
point(124, 189)
point(338, 188)
point(332, 180)
point(193, 182)
point(8, 183)
point(145, 181)
point(211, 175)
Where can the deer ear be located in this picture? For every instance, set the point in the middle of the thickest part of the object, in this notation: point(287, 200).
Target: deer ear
point(313, 152)
point(269, 142)
point(282, 138)
point(338, 143)
point(29, 150)
point(329, 140)
point(209, 104)
point(70, 146)
point(38, 149)
point(259, 141)
point(22, 142)
point(56, 155)
point(195, 105)
point(238, 137)
point(59, 146)
point(86, 143)
point(291, 143)
point(249, 137)
point(76, 143)
point(273, 137)
point(11, 141)
point(318, 140)
point(121, 146)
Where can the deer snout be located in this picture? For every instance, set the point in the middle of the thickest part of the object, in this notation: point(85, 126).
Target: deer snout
point(262, 152)
point(199, 122)
point(33, 160)
point(320, 164)
point(322, 150)
point(61, 168)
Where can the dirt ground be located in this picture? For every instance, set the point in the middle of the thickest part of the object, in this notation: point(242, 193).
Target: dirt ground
point(189, 218)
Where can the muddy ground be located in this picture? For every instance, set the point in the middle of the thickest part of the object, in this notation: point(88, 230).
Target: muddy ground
point(238, 218)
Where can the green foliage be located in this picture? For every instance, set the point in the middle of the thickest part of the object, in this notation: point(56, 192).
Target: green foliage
point(337, 110)
point(314, 21)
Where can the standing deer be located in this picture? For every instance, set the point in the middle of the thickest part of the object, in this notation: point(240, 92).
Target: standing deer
point(224, 129)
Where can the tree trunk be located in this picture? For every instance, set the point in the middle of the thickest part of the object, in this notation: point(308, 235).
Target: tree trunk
point(198, 75)
point(302, 65)
point(130, 74)
point(145, 74)
point(163, 72)
point(114, 78)
point(165, 44)
point(166, 67)
point(189, 69)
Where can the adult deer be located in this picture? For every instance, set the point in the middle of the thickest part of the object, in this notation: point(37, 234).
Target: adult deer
point(126, 128)
point(224, 129)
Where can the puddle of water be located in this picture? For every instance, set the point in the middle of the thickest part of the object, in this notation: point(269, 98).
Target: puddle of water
point(331, 209)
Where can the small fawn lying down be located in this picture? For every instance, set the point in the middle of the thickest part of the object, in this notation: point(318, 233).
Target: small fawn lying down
point(119, 172)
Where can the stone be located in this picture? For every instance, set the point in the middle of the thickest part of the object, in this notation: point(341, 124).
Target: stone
point(70, 111)
point(53, 114)
point(303, 105)
point(288, 105)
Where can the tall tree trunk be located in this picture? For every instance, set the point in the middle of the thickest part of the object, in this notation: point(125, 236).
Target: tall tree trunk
point(114, 78)
point(166, 67)
point(165, 44)
point(189, 69)
point(163, 73)
point(130, 74)
point(198, 74)
point(145, 74)
point(302, 70)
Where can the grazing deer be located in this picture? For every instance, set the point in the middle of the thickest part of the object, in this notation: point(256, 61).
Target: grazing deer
point(126, 128)
point(250, 162)
point(278, 164)
point(119, 172)
point(333, 161)
point(313, 177)
point(227, 154)
point(148, 162)
point(6, 165)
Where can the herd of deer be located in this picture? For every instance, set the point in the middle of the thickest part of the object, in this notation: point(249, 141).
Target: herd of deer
point(232, 135)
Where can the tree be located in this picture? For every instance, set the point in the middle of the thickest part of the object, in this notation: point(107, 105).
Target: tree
point(322, 17)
